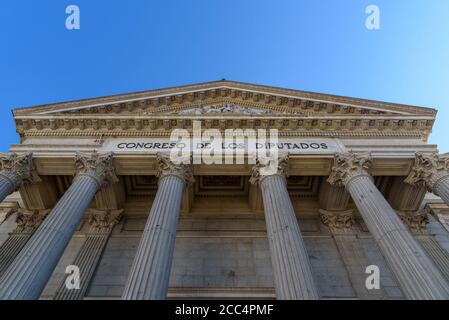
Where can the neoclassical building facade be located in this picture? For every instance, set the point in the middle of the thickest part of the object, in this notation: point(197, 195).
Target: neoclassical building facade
point(93, 207)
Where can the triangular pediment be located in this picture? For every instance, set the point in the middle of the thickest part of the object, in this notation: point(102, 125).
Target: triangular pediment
point(223, 98)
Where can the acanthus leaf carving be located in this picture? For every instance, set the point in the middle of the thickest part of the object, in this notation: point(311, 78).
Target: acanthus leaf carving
point(269, 167)
point(349, 165)
point(168, 167)
point(20, 166)
point(417, 222)
point(98, 166)
point(428, 169)
point(102, 221)
point(337, 219)
point(29, 220)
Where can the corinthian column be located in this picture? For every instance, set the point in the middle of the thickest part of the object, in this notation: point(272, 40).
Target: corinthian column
point(150, 271)
point(27, 222)
point(292, 272)
point(14, 170)
point(28, 274)
point(417, 275)
point(433, 171)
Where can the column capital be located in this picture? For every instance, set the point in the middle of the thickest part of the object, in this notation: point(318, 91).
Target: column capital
point(169, 168)
point(428, 169)
point(348, 166)
point(102, 221)
point(337, 219)
point(416, 222)
point(261, 170)
point(97, 166)
point(29, 220)
point(19, 165)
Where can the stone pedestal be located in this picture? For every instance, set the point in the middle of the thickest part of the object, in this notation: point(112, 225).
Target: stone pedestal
point(149, 275)
point(418, 276)
point(292, 272)
point(28, 274)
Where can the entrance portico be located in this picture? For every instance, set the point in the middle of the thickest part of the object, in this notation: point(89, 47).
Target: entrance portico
point(354, 170)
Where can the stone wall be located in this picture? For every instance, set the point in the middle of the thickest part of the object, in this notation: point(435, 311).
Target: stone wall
point(229, 258)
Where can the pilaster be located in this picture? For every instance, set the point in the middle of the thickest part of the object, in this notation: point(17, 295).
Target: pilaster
point(341, 225)
point(101, 224)
point(27, 222)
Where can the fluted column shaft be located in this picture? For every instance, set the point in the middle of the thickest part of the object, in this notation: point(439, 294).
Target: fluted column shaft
point(8, 183)
point(101, 223)
point(27, 223)
point(292, 272)
point(417, 275)
point(27, 276)
point(150, 272)
point(441, 188)
point(86, 260)
point(439, 255)
point(11, 248)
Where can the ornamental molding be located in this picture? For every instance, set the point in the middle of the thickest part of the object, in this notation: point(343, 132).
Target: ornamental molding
point(223, 89)
point(29, 220)
point(224, 109)
point(167, 133)
point(157, 124)
point(268, 167)
point(348, 166)
point(337, 219)
point(428, 169)
point(244, 106)
point(103, 221)
point(167, 167)
point(5, 213)
point(97, 166)
point(19, 165)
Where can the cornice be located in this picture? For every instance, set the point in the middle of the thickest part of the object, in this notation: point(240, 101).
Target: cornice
point(160, 134)
point(157, 127)
point(222, 88)
point(294, 113)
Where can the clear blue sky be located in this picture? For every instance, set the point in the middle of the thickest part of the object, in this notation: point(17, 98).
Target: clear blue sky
point(134, 45)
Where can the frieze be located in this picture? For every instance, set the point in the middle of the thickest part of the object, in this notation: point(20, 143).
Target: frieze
point(292, 146)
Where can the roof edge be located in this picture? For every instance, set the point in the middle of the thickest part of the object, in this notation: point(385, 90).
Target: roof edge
point(206, 85)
